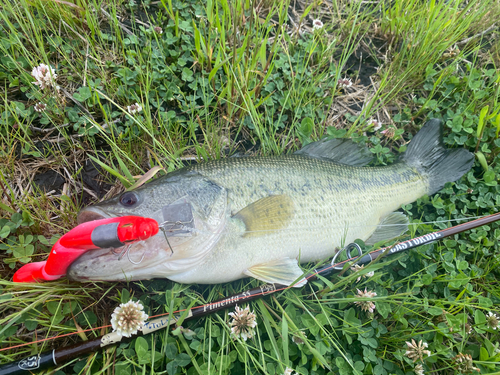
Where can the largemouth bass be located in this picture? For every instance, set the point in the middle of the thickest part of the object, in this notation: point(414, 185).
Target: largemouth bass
point(260, 216)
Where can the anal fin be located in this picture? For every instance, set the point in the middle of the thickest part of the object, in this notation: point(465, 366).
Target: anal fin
point(391, 226)
point(282, 271)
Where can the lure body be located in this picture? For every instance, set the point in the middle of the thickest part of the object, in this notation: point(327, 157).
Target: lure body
point(104, 233)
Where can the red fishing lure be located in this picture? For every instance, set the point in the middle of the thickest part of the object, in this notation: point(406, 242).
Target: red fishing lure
point(97, 234)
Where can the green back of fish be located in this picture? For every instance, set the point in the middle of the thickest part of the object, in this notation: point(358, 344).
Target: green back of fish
point(250, 179)
point(323, 194)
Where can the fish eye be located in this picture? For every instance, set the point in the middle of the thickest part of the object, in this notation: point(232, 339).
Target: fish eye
point(128, 199)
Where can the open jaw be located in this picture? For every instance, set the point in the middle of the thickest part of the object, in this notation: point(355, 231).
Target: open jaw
point(130, 262)
point(84, 267)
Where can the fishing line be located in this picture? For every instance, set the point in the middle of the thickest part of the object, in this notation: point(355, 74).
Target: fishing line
point(127, 249)
point(332, 266)
point(109, 325)
point(323, 227)
point(207, 305)
point(370, 225)
point(272, 288)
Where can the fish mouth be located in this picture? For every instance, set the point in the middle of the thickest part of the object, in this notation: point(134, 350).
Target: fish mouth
point(105, 264)
point(83, 265)
point(127, 263)
point(91, 214)
point(84, 216)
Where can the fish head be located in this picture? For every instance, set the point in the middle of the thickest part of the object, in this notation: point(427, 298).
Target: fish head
point(191, 211)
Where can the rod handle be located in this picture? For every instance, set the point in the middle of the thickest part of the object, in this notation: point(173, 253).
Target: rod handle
point(36, 362)
point(29, 364)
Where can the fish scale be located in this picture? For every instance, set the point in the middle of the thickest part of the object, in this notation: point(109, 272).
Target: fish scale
point(325, 196)
point(259, 216)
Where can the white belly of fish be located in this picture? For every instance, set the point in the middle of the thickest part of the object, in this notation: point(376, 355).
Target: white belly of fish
point(310, 236)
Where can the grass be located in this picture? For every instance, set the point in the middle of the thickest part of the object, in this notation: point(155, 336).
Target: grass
point(255, 78)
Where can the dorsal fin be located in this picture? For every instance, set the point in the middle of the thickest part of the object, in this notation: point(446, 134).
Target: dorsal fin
point(343, 151)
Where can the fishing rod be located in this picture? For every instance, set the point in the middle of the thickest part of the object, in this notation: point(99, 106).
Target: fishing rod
point(57, 357)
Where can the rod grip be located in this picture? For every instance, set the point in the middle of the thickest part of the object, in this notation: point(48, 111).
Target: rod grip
point(29, 364)
point(36, 362)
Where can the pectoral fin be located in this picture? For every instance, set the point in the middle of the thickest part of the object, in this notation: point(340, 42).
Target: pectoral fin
point(390, 227)
point(282, 271)
point(266, 215)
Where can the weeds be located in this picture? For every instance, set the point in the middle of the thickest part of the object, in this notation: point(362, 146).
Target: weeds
point(139, 85)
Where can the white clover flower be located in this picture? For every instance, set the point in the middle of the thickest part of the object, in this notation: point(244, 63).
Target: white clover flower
point(344, 83)
point(376, 124)
point(297, 339)
point(243, 323)
point(317, 24)
point(492, 320)
point(128, 318)
point(390, 132)
point(419, 369)
point(357, 268)
point(134, 108)
point(464, 363)
point(45, 76)
point(40, 107)
point(158, 30)
point(467, 328)
point(289, 371)
point(416, 351)
point(366, 305)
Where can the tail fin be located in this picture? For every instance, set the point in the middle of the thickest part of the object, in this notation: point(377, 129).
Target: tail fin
point(427, 154)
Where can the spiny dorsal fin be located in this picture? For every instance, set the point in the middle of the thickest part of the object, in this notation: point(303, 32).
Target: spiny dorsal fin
point(343, 151)
point(391, 226)
point(282, 271)
point(266, 215)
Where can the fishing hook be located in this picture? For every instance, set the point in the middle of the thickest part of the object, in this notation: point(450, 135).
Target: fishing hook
point(122, 252)
point(164, 231)
point(126, 250)
point(131, 261)
point(169, 246)
point(182, 226)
